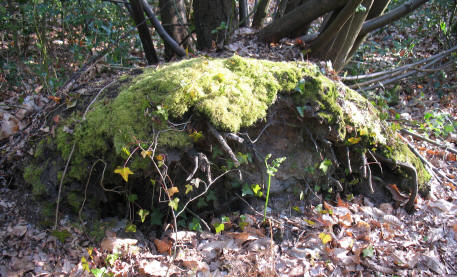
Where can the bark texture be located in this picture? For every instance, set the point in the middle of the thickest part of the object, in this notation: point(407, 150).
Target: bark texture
point(137, 14)
point(213, 21)
point(297, 18)
point(174, 21)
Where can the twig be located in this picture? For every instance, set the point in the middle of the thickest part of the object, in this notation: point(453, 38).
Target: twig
point(377, 74)
point(95, 98)
point(348, 159)
point(223, 143)
point(452, 150)
point(61, 183)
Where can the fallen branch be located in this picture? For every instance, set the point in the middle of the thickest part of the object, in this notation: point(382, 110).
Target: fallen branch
point(452, 150)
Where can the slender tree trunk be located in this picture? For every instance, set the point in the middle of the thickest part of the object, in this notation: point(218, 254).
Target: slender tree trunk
point(297, 18)
point(353, 29)
point(174, 21)
point(243, 10)
point(261, 13)
point(376, 10)
point(213, 21)
point(148, 47)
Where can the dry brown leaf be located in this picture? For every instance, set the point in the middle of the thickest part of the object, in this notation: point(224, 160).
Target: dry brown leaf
point(171, 191)
point(163, 246)
point(346, 220)
point(341, 203)
point(396, 194)
point(196, 265)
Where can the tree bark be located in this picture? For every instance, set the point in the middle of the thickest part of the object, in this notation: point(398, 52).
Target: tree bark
point(139, 19)
point(376, 10)
point(298, 18)
point(353, 32)
point(213, 21)
point(261, 13)
point(163, 34)
point(174, 21)
point(335, 26)
point(243, 10)
point(392, 16)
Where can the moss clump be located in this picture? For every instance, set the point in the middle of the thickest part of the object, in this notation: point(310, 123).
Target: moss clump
point(232, 93)
point(32, 176)
point(75, 200)
point(400, 152)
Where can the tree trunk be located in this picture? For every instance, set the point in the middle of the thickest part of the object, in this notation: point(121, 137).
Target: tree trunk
point(376, 10)
point(297, 18)
point(243, 10)
point(148, 47)
point(261, 13)
point(213, 21)
point(343, 45)
point(174, 20)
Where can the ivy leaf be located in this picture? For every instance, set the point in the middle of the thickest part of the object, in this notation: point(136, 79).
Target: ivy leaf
point(219, 227)
point(189, 188)
point(324, 166)
point(130, 228)
point(195, 225)
point(124, 172)
point(174, 203)
point(211, 196)
point(325, 238)
point(156, 218)
point(246, 190)
point(257, 190)
point(225, 219)
point(201, 203)
point(99, 272)
point(171, 191)
point(195, 182)
point(146, 153)
point(143, 214)
point(354, 140)
point(132, 197)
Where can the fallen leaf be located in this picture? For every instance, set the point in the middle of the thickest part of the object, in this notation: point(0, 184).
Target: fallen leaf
point(325, 238)
point(153, 268)
point(163, 246)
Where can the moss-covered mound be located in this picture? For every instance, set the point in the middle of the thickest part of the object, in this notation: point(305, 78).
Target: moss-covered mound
point(232, 94)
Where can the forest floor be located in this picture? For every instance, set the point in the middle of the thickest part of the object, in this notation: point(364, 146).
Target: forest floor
point(344, 237)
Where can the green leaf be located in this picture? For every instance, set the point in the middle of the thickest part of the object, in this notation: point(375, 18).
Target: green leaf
point(99, 272)
point(125, 150)
point(246, 190)
point(201, 203)
point(132, 197)
point(195, 225)
point(174, 203)
point(325, 164)
point(130, 228)
point(257, 190)
point(225, 219)
point(219, 227)
point(368, 252)
point(189, 188)
point(143, 214)
point(211, 196)
point(156, 218)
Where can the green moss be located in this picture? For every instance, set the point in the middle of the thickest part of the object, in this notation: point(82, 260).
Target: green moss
point(32, 176)
point(400, 152)
point(232, 93)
